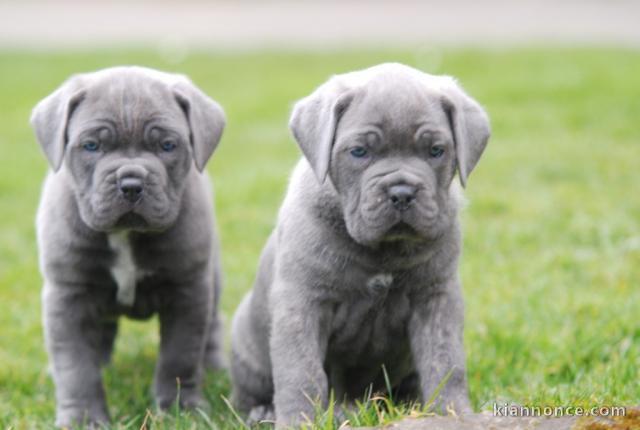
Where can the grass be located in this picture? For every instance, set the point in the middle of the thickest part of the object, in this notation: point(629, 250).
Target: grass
point(551, 265)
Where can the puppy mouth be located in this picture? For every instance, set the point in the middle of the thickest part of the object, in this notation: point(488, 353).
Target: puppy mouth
point(400, 231)
point(131, 221)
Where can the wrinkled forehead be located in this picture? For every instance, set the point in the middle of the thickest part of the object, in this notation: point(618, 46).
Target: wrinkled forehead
point(397, 106)
point(129, 102)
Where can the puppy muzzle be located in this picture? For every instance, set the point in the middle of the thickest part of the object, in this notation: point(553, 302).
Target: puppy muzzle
point(131, 182)
point(129, 193)
point(397, 205)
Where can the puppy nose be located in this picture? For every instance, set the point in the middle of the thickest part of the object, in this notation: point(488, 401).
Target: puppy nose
point(131, 188)
point(401, 196)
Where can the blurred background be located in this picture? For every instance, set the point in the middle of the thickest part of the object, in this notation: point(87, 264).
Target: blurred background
point(551, 265)
point(175, 27)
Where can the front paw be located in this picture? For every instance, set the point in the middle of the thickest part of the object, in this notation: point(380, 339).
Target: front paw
point(188, 399)
point(91, 417)
point(260, 414)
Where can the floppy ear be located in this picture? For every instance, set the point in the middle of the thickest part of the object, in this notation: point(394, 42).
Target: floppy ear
point(314, 121)
point(471, 130)
point(51, 116)
point(206, 120)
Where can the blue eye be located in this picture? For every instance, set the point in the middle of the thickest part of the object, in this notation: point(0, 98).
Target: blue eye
point(168, 145)
point(358, 152)
point(436, 151)
point(90, 146)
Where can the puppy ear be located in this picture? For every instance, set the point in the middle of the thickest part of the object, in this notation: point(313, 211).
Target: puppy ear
point(206, 120)
point(314, 121)
point(51, 116)
point(471, 129)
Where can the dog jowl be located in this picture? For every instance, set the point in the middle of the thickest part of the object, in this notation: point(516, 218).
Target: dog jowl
point(125, 227)
point(361, 270)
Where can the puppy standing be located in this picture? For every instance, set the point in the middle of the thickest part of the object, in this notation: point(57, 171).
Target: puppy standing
point(125, 226)
point(361, 270)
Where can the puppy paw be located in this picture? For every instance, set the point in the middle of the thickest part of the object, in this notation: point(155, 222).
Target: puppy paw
point(194, 402)
point(90, 418)
point(260, 414)
point(188, 400)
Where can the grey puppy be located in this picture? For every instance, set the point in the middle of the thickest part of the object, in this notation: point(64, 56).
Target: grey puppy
point(361, 270)
point(125, 227)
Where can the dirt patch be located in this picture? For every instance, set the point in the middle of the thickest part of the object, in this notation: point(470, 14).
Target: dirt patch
point(487, 421)
point(631, 421)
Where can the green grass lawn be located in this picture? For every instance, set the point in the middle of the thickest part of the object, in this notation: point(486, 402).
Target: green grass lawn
point(551, 264)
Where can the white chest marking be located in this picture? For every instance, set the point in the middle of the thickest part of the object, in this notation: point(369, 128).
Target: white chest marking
point(124, 268)
point(380, 282)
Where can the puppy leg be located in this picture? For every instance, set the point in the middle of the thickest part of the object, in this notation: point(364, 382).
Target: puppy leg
point(297, 355)
point(435, 332)
point(109, 330)
point(184, 319)
point(213, 357)
point(73, 339)
point(252, 392)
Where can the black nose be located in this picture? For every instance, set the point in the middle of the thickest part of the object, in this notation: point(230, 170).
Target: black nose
point(401, 196)
point(131, 188)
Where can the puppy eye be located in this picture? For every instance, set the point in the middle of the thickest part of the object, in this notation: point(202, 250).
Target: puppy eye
point(168, 145)
point(436, 151)
point(358, 152)
point(91, 145)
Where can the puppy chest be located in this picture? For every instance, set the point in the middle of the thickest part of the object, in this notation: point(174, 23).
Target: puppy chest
point(124, 270)
point(371, 322)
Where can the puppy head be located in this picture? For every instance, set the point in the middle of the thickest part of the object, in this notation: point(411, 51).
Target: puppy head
point(391, 139)
point(128, 136)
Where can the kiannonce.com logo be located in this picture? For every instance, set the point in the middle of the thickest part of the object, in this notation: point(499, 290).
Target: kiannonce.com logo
point(510, 410)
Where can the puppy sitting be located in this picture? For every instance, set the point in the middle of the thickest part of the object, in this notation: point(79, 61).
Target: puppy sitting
point(361, 270)
point(125, 226)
